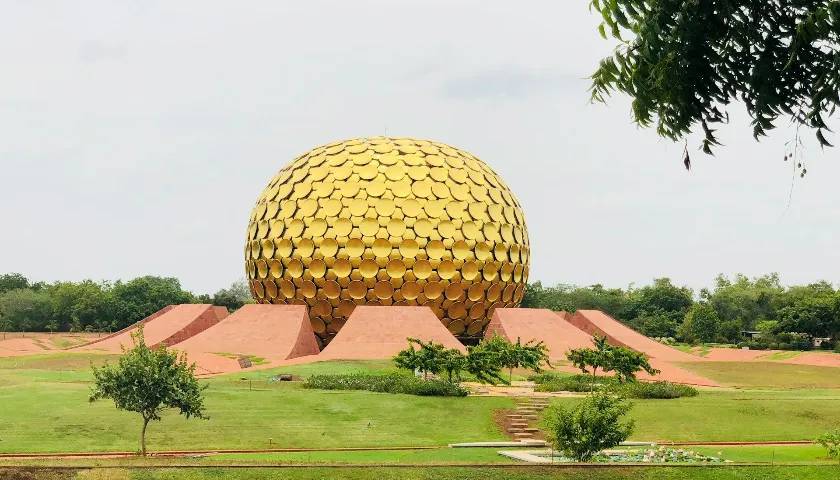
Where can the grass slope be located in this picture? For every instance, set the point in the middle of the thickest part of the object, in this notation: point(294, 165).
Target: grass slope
point(47, 411)
point(767, 374)
point(735, 416)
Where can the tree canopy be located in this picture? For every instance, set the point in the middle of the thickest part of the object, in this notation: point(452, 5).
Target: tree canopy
point(721, 314)
point(89, 305)
point(148, 381)
point(684, 62)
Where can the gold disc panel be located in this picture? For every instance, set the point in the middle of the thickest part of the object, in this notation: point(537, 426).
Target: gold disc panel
point(388, 221)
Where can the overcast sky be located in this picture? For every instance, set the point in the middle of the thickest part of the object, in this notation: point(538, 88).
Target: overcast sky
point(135, 137)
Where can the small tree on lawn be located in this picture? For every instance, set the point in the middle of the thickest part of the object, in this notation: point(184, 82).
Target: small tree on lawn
point(483, 364)
point(627, 363)
point(831, 442)
point(591, 426)
point(421, 356)
point(591, 359)
point(453, 362)
point(509, 355)
point(624, 362)
point(148, 381)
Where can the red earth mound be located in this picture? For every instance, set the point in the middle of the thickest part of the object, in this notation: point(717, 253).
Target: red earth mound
point(265, 334)
point(380, 332)
point(539, 325)
point(130, 327)
point(167, 327)
point(596, 322)
point(662, 357)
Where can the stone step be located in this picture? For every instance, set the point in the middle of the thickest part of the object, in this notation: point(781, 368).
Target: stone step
point(519, 424)
point(531, 429)
point(522, 435)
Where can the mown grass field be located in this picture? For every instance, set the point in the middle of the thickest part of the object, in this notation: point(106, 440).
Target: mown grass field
point(45, 409)
point(770, 375)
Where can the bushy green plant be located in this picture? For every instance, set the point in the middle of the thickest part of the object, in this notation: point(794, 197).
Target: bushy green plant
point(621, 360)
point(657, 390)
point(573, 383)
point(551, 382)
point(587, 428)
point(421, 356)
point(149, 381)
point(544, 377)
point(831, 442)
point(591, 359)
point(626, 363)
point(483, 364)
point(386, 383)
point(429, 357)
point(531, 355)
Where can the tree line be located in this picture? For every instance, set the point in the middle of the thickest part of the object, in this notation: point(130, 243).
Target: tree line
point(97, 306)
point(784, 316)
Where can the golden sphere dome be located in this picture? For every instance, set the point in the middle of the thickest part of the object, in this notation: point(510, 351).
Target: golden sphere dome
point(388, 221)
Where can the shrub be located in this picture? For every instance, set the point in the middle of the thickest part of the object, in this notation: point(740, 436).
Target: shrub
point(831, 442)
point(387, 383)
point(543, 377)
point(551, 382)
point(572, 383)
point(661, 390)
point(591, 426)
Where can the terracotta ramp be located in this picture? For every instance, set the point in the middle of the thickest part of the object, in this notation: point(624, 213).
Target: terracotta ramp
point(596, 322)
point(380, 332)
point(539, 325)
point(265, 335)
point(167, 327)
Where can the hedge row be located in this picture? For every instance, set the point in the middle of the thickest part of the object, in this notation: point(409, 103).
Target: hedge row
point(551, 382)
point(386, 383)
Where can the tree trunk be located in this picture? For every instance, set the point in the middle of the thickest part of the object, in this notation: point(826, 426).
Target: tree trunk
point(143, 437)
point(592, 385)
point(510, 375)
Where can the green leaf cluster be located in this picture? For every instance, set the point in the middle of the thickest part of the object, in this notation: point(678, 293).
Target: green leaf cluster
point(831, 442)
point(148, 381)
point(594, 424)
point(626, 363)
point(683, 62)
point(483, 361)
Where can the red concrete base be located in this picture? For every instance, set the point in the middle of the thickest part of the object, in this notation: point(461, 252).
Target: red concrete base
point(596, 322)
point(130, 327)
point(539, 325)
point(168, 328)
point(271, 333)
point(381, 332)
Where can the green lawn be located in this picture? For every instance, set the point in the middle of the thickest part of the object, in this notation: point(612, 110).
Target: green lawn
point(773, 454)
point(767, 374)
point(442, 473)
point(46, 410)
point(736, 416)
